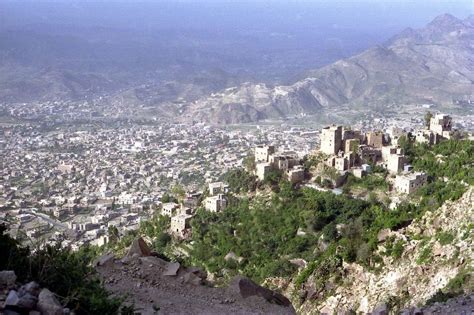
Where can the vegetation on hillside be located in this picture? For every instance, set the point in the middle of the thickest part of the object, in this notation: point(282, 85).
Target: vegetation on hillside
point(320, 227)
point(68, 274)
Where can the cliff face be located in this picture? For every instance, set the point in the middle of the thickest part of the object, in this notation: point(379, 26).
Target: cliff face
point(437, 248)
point(433, 64)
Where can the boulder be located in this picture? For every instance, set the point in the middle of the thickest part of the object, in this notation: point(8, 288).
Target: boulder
point(139, 247)
point(12, 299)
point(381, 309)
point(383, 234)
point(27, 301)
point(198, 272)
point(48, 304)
point(230, 256)
point(233, 256)
point(246, 287)
point(192, 278)
point(105, 259)
point(171, 269)
point(153, 261)
point(7, 278)
point(32, 288)
point(301, 263)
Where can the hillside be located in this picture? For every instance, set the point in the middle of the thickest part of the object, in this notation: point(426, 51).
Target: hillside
point(429, 65)
point(436, 257)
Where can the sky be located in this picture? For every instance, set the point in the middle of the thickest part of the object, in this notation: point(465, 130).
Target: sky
point(227, 14)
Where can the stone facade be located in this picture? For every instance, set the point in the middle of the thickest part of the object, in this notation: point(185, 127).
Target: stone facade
point(331, 139)
point(217, 188)
point(215, 203)
point(409, 183)
point(441, 124)
point(375, 139)
point(262, 153)
point(180, 223)
point(262, 169)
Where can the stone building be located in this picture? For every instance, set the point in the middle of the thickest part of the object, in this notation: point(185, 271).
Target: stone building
point(441, 125)
point(375, 139)
point(180, 223)
point(425, 136)
point(215, 203)
point(331, 139)
point(409, 183)
point(296, 174)
point(217, 188)
point(395, 163)
point(168, 208)
point(262, 169)
point(262, 153)
point(351, 145)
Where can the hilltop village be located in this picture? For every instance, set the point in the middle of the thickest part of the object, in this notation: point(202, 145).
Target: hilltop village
point(122, 193)
point(344, 150)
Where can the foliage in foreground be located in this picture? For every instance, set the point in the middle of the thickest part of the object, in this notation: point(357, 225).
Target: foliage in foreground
point(68, 274)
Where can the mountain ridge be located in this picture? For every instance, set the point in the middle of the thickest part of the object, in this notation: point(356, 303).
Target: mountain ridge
point(433, 64)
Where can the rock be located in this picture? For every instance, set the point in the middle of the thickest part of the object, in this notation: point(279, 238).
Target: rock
point(126, 260)
point(246, 287)
point(12, 299)
point(301, 263)
point(140, 248)
point(32, 288)
point(192, 278)
point(7, 278)
point(34, 313)
point(230, 256)
point(171, 269)
point(198, 272)
point(27, 301)
point(10, 312)
point(153, 261)
point(438, 250)
point(105, 259)
point(233, 256)
point(48, 304)
point(383, 234)
point(381, 309)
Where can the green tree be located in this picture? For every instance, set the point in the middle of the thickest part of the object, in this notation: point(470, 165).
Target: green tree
point(249, 162)
point(428, 117)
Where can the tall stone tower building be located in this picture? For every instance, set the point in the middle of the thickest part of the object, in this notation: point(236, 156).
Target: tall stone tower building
point(331, 139)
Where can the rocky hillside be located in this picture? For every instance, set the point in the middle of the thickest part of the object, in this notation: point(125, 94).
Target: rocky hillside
point(435, 258)
point(429, 65)
point(155, 286)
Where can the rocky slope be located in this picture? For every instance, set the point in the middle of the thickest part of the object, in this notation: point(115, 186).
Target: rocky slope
point(433, 64)
point(28, 298)
point(155, 286)
point(436, 249)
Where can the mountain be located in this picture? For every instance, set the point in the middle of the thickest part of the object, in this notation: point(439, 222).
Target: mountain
point(433, 64)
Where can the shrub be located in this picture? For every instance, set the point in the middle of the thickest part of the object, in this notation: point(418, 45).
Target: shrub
point(445, 238)
point(65, 272)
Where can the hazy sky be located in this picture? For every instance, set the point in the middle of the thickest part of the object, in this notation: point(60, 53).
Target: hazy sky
point(264, 14)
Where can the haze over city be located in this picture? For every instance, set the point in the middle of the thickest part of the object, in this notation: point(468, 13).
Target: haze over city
point(236, 157)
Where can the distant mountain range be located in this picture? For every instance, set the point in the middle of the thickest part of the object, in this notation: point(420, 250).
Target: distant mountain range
point(433, 64)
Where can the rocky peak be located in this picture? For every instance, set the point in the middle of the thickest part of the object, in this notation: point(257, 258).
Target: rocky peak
point(446, 22)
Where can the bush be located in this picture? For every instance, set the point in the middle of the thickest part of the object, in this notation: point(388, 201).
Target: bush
point(445, 238)
point(66, 273)
point(424, 256)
